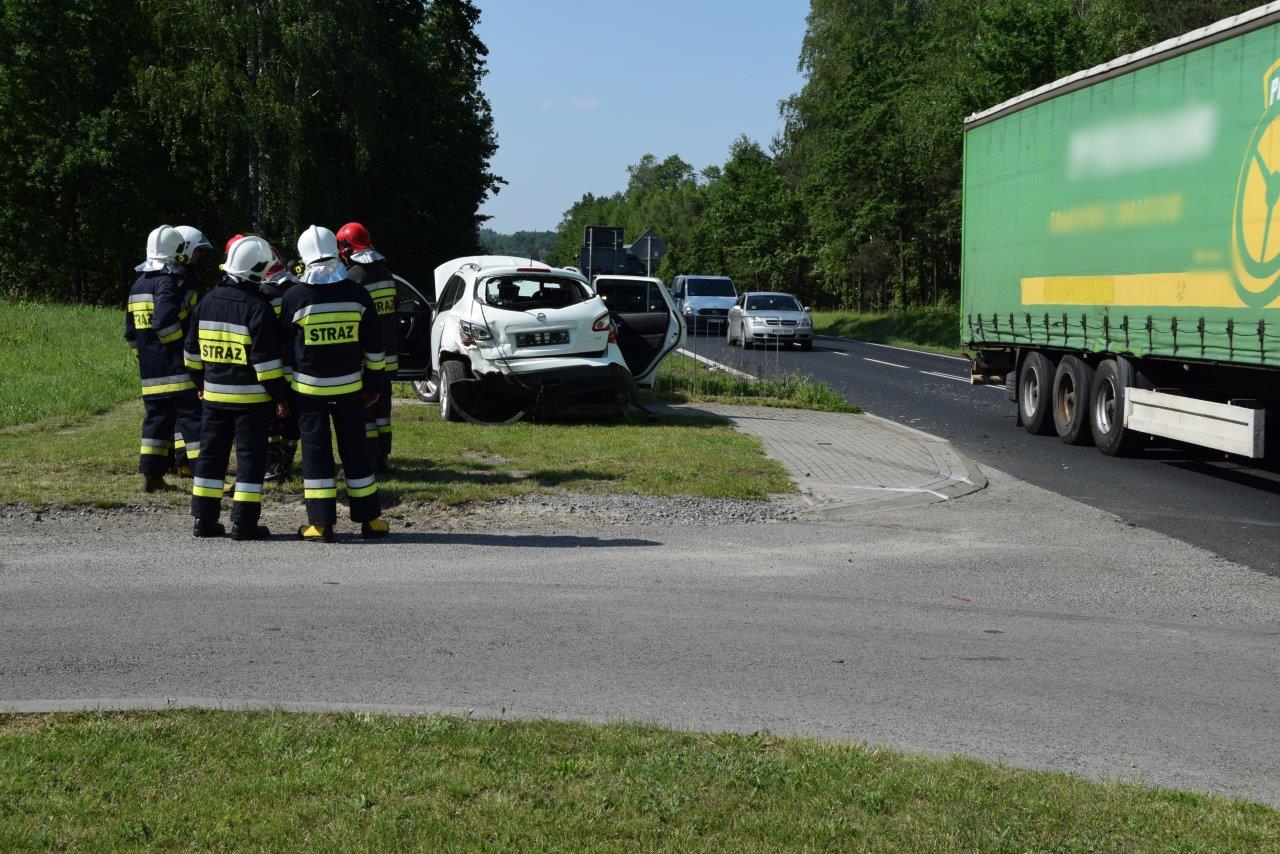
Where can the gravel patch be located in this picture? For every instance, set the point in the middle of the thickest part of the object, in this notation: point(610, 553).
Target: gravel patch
point(685, 511)
point(538, 510)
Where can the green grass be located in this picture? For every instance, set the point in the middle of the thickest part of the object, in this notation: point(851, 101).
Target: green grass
point(61, 364)
point(95, 461)
point(230, 780)
point(936, 328)
point(70, 416)
point(683, 380)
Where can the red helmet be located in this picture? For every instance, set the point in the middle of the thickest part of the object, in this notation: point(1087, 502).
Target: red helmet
point(232, 239)
point(353, 237)
point(277, 266)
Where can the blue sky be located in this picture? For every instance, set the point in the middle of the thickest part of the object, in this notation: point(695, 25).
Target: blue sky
point(582, 89)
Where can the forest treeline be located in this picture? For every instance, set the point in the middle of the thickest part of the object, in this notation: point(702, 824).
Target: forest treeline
point(234, 115)
point(536, 245)
point(856, 204)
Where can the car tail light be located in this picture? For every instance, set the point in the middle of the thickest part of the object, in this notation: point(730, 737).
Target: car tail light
point(605, 323)
point(470, 333)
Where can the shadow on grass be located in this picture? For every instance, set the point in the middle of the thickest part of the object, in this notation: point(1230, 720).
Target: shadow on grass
point(418, 475)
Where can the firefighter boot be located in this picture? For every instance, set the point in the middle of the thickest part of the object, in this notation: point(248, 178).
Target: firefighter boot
point(208, 529)
point(155, 483)
point(250, 532)
point(374, 528)
point(316, 533)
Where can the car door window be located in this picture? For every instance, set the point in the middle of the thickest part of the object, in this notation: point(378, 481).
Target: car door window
point(406, 292)
point(452, 292)
point(624, 296)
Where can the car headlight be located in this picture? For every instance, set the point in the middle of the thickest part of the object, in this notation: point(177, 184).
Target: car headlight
point(688, 309)
point(806, 321)
point(757, 321)
point(473, 332)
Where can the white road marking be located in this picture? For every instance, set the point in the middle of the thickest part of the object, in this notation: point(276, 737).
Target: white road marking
point(892, 347)
point(712, 363)
point(890, 364)
point(838, 353)
point(945, 376)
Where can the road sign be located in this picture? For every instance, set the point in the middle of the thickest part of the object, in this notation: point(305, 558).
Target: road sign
point(649, 248)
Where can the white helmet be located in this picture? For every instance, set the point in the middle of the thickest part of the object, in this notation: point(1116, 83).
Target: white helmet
point(248, 259)
point(194, 239)
point(164, 244)
point(316, 244)
point(318, 249)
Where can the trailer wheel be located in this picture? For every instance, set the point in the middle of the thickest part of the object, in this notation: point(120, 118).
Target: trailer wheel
point(1111, 383)
point(1035, 393)
point(1072, 387)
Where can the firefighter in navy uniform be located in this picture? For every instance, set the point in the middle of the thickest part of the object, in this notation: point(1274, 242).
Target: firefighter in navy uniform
point(365, 268)
point(282, 434)
point(153, 328)
point(333, 353)
point(233, 352)
point(194, 246)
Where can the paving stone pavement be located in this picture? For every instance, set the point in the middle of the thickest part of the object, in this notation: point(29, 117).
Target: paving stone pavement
point(844, 463)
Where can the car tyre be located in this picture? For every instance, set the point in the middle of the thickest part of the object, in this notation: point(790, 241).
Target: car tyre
point(1035, 393)
point(1072, 387)
point(427, 389)
point(450, 372)
point(806, 345)
point(1111, 383)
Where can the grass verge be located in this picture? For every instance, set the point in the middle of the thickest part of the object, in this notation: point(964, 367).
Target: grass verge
point(684, 380)
point(62, 363)
point(935, 328)
point(232, 780)
point(95, 462)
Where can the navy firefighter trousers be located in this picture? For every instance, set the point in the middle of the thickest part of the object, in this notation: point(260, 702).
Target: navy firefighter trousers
point(347, 413)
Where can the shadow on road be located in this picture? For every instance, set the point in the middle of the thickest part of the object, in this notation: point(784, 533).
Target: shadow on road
point(523, 541)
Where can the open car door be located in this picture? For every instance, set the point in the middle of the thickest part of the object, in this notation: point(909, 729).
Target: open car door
point(413, 323)
point(649, 329)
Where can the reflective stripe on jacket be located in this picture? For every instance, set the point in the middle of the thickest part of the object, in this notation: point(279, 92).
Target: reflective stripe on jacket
point(376, 279)
point(233, 348)
point(153, 328)
point(332, 338)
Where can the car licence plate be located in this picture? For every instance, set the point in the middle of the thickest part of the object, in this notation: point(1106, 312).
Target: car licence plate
point(542, 339)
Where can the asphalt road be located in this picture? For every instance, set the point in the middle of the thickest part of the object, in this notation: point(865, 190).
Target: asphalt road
point(1231, 508)
point(1092, 646)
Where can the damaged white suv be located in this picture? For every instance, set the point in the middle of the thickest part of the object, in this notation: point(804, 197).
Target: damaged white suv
point(512, 336)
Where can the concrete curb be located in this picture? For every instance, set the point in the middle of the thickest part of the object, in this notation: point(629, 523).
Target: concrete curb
point(845, 464)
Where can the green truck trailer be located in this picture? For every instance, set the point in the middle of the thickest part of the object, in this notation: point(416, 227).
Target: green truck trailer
point(1121, 245)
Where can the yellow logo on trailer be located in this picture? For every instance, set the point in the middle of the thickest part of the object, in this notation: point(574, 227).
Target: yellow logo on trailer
point(1255, 225)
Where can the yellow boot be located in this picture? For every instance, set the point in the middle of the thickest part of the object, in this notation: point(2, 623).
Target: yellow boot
point(374, 528)
point(316, 533)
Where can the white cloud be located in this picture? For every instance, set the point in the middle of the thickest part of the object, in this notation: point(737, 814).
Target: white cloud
point(590, 102)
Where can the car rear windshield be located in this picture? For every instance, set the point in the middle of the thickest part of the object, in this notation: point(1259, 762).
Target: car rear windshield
point(528, 293)
point(624, 296)
point(710, 288)
point(772, 302)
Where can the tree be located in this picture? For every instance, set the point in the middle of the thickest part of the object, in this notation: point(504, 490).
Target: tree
point(236, 115)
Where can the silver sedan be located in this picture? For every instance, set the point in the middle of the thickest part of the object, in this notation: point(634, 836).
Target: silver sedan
point(769, 318)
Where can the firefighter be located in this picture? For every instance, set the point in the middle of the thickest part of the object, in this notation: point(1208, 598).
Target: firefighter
point(282, 436)
point(364, 267)
point(153, 328)
point(233, 353)
point(333, 351)
point(194, 246)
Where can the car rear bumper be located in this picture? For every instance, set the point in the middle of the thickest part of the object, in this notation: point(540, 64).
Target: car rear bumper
point(571, 383)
